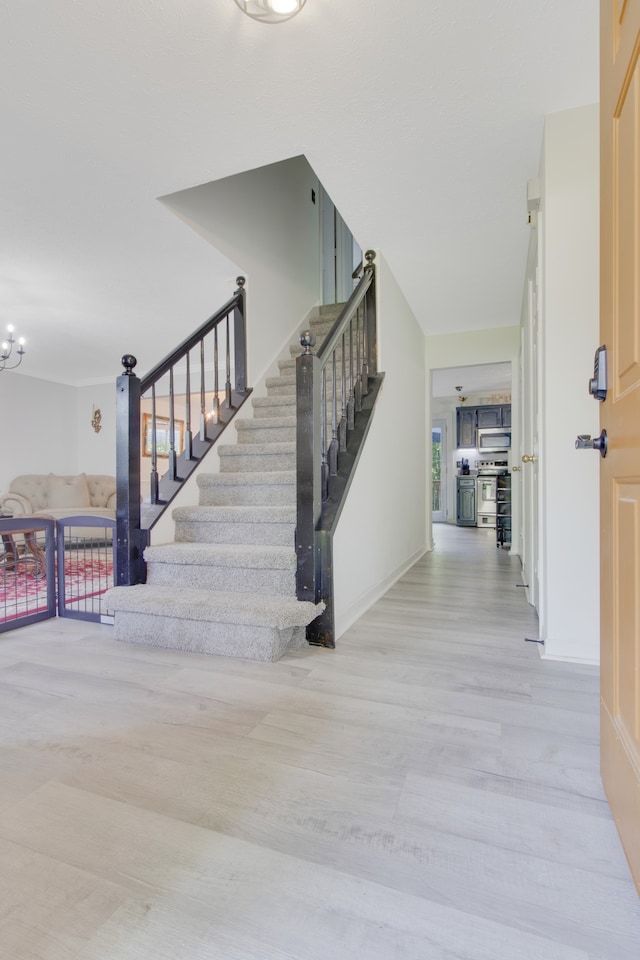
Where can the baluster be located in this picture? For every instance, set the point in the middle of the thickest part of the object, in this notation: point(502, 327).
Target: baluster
point(154, 452)
point(227, 386)
point(216, 379)
point(351, 414)
point(342, 429)
point(358, 387)
point(365, 350)
point(203, 400)
point(333, 446)
point(173, 465)
point(188, 447)
point(323, 437)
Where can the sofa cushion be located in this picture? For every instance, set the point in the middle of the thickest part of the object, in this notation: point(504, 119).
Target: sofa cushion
point(101, 489)
point(33, 487)
point(67, 491)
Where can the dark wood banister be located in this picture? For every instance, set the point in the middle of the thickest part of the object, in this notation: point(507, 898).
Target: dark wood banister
point(332, 339)
point(325, 470)
point(194, 339)
point(134, 521)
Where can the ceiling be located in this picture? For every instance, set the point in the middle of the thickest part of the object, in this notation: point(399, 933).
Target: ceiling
point(423, 119)
point(477, 378)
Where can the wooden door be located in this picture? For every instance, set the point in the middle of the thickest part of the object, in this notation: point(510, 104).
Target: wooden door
point(620, 416)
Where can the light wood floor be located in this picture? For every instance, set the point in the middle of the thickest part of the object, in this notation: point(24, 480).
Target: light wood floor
point(429, 790)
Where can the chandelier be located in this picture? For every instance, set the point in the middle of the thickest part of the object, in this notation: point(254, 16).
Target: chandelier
point(6, 351)
point(271, 11)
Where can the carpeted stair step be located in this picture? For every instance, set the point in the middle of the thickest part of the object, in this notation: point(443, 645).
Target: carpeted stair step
point(331, 309)
point(257, 456)
point(262, 430)
point(272, 430)
point(288, 367)
point(285, 385)
point(224, 567)
point(267, 407)
point(273, 488)
point(204, 621)
point(268, 525)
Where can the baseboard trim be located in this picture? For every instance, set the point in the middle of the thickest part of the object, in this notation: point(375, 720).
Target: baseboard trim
point(586, 661)
point(346, 618)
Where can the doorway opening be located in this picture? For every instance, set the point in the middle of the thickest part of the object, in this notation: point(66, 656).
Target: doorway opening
point(471, 448)
point(439, 471)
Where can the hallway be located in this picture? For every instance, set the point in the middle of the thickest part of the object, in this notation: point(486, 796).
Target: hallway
point(429, 790)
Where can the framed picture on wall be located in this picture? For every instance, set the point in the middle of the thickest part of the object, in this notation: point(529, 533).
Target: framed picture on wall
point(163, 436)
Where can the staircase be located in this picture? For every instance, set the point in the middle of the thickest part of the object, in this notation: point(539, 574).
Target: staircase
point(226, 585)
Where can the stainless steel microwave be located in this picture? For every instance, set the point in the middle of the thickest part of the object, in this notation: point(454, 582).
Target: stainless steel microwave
point(493, 439)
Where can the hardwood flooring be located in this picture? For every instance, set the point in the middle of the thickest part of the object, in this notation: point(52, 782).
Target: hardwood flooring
point(429, 790)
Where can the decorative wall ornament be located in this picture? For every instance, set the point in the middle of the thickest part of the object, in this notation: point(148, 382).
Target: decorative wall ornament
point(96, 420)
point(271, 11)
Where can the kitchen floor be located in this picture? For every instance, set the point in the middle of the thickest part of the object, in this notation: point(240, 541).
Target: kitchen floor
point(428, 790)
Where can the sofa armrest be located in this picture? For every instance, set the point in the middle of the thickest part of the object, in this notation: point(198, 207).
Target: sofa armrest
point(111, 502)
point(15, 504)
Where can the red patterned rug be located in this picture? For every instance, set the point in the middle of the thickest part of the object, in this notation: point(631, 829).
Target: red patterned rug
point(86, 577)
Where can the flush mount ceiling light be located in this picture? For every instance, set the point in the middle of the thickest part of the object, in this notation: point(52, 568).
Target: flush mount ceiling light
point(271, 11)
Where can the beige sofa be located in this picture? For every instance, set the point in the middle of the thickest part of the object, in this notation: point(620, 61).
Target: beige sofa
point(90, 495)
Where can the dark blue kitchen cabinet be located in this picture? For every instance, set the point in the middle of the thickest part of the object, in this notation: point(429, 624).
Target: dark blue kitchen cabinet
point(471, 419)
point(490, 416)
point(466, 501)
point(466, 426)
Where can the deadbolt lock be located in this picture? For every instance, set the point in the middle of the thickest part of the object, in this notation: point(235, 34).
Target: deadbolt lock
point(584, 441)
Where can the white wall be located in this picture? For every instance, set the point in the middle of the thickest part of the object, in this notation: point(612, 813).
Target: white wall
point(496, 345)
point(37, 427)
point(569, 331)
point(96, 451)
point(264, 221)
point(382, 529)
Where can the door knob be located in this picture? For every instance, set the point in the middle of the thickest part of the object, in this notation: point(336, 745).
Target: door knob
point(515, 469)
point(584, 441)
point(528, 458)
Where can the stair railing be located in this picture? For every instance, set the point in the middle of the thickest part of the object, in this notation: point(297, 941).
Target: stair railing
point(212, 403)
point(336, 390)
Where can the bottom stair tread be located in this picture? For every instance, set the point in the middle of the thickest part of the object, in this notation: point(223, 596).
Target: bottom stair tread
point(279, 612)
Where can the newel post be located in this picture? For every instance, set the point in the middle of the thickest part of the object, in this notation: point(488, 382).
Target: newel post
point(240, 337)
point(131, 540)
point(309, 470)
point(370, 316)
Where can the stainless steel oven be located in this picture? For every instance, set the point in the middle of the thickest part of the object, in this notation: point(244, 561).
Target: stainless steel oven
point(489, 470)
point(486, 500)
point(493, 439)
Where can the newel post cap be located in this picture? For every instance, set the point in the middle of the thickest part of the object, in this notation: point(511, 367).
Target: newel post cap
point(128, 362)
point(307, 341)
